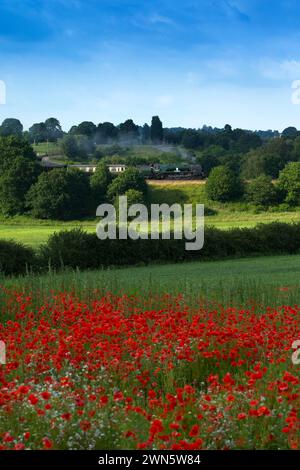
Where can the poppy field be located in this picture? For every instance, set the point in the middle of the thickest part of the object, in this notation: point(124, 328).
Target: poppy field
point(153, 371)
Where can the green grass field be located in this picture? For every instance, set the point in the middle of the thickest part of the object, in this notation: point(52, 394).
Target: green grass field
point(49, 148)
point(267, 280)
point(235, 214)
point(34, 233)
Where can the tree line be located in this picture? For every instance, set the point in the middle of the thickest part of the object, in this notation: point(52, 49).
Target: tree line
point(69, 193)
point(224, 185)
point(64, 193)
point(103, 133)
point(248, 153)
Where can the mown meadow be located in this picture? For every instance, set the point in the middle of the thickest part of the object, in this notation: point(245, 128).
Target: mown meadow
point(34, 232)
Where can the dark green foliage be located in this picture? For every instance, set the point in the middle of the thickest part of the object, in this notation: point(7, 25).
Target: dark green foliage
point(156, 130)
point(77, 147)
point(237, 141)
point(210, 158)
point(70, 248)
point(290, 132)
point(85, 147)
point(69, 146)
point(192, 139)
point(295, 156)
point(146, 133)
point(268, 159)
point(100, 182)
point(60, 194)
point(53, 129)
point(11, 126)
point(77, 249)
point(38, 132)
point(129, 179)
point(262, 191)
point(223, 185)
point(15, 182)
point(14, 147)
point(16, 258)
point(134, 197)
point(289, 183)
point(128, 130)
point(106, 132)
point(86, 128)
point(42, 131)
point(19, 169)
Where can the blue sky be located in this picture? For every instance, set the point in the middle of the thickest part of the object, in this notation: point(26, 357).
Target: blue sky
point(192, 62)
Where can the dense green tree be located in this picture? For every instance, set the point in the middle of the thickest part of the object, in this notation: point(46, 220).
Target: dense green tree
point(11, 126)
point(223, 185)
point(13, 147)
point(38, 132)
point(156, 130)
point(60, 194)
point(86, 146)
point(146, 133)
point(73, 130)
point(290, 132)
point(210, 157)
point(100, 182)
point(53, 129)
point(18, 170)
point(253, 165)
point(261, 191)
point(192, 139)
point(69, 147)
point(77, 147)
point(81, 201)
point(15, 182)
point(106, 133)
point(86, 128)
point(268, 159)
point(227, 129)
point(244, 141)
point(129, 179)
point(295, 156)
point(289, 183)
point(134, 197)
point(173, 136)
point(128, 130)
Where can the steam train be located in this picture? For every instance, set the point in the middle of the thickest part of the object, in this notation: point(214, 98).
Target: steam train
point(156, 171)
point(172, 171)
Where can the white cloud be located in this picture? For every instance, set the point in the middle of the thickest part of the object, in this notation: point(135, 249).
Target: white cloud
point(275, 70)
point(164, 101)
point(222, 68)
point(152, 21)
point(156, 18)
point(192, 78)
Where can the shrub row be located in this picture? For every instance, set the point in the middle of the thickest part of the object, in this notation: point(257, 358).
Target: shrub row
point(16, 258)
point(78, 249)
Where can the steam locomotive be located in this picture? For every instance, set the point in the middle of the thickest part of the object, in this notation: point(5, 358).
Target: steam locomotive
point(172, 171)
